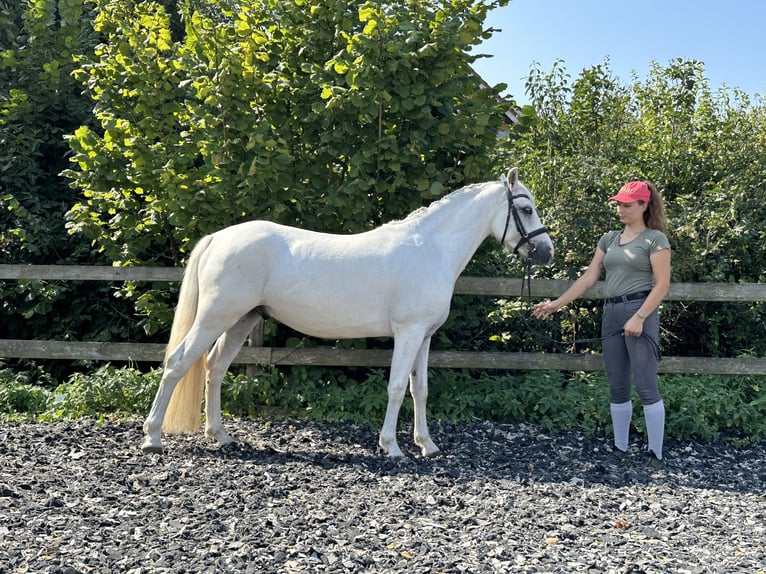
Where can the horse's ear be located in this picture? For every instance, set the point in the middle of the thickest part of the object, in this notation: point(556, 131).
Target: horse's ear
point(513, 176)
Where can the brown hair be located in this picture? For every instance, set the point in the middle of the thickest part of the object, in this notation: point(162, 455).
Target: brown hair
point(654, 216)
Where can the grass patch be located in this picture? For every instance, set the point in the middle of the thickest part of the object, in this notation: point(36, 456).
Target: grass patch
point(700, 407)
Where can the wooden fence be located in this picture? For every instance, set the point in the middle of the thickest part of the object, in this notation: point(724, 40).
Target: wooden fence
point(329, 356)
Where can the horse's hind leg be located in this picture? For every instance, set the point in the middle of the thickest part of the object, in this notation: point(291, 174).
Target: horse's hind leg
point(176, 366)
point(419, 392)
point(219, 360)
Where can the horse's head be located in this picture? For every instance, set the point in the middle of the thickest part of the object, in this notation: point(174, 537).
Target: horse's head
point(520, 228)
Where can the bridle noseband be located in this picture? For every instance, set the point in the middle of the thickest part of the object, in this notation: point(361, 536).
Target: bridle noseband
point(512, 211)
point(526, 282)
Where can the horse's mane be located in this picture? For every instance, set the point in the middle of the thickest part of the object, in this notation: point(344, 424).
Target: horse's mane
point(436, 205)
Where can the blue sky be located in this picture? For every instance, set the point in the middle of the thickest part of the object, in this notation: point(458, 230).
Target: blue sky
point(729, 37)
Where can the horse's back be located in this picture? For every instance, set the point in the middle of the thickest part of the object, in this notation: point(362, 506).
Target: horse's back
point(315, 251)
point(332, 286)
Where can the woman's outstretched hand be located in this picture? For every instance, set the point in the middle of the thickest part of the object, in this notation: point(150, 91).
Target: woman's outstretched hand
point(544, 309)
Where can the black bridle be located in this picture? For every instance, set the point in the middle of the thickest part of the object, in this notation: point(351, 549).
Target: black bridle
point(526, 282)
point(514, 212)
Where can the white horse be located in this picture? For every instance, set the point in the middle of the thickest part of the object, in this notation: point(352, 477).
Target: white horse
point(394, 281)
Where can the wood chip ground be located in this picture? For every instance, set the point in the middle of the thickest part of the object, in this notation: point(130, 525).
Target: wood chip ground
point(296, 496)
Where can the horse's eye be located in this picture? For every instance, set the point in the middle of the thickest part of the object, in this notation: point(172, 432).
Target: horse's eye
point(528, 211)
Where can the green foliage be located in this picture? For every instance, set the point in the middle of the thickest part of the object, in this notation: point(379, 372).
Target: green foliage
point(21, 393)
point(105, 391)
point(315, 392)
point(40, 102)
point(328, 115)
point(701, 408)
point(582, 138)
point(246, 396)
point(705, 407)
point(550, 399)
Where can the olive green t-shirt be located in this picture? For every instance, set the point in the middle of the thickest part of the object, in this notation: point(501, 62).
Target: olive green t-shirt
point(628, 268)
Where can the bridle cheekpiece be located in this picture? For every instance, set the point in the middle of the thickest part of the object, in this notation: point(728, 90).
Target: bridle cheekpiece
point(513, 212)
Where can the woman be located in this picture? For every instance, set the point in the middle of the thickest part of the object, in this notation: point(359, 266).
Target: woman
point(636, 260)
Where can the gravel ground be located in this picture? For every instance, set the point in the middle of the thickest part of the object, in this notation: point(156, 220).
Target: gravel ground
point(294, 496)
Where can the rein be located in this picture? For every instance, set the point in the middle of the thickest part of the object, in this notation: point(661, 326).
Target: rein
point(526, 281)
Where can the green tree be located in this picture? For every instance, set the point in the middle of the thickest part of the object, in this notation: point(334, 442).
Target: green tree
point(40, 102)
point(708, 151)
point(327, 115)
point(581, 139)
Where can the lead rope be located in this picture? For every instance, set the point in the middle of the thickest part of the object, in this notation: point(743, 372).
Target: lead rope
point(526, 282)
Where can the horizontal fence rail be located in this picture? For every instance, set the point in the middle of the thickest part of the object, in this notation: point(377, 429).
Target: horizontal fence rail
point(329, 356)
point(490, 286)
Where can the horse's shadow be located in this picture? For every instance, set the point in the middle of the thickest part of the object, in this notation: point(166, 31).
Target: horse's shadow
point(256, 451)
point(458, 464)
point(463, 462)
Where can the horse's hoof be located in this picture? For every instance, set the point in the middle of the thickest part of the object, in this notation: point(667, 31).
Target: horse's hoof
point(221, 437)
point(148, 448)
point(231, 446)
point(395, 456)
point(427, 447)
point(391, 453)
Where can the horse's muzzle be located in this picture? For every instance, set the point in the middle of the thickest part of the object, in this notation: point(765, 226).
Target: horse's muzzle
point(539, 254)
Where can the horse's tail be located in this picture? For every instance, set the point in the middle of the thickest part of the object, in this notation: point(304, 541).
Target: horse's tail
point(183, 412)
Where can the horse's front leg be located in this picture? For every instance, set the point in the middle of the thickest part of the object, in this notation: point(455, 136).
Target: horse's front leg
point(406, 347)
point(419, 392)
point(219, 360)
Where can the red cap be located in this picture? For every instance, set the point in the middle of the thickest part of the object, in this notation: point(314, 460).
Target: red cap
point(633, 191)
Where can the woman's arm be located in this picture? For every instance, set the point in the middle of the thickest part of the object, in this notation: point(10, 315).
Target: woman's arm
point(587, 280)
point(661, 271)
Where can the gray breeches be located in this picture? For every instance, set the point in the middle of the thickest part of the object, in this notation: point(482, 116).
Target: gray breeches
point(630, 357)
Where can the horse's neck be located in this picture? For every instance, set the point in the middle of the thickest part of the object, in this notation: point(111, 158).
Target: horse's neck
point(461, 224)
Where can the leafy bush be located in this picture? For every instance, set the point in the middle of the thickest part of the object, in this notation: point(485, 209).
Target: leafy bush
point(21, 395)
point(106, 391)
point(705, 407)
point(40, 102)
point(330, 115)
point(583, 137)
point(698, 407)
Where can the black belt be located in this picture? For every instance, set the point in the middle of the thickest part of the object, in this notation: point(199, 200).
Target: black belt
point(626, 298)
